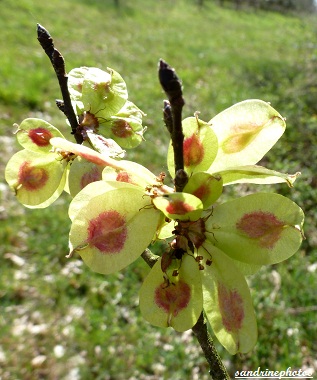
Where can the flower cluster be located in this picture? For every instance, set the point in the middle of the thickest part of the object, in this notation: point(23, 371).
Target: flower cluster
point(119, 207)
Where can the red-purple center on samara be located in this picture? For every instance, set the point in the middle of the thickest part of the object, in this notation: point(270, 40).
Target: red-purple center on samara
point(178, 207)
point(263, 226)
point(40, 136)
point(202, 192)
point(172, 298)
point(193, 151)
point(107, 232)
point(121, 128)
point(231, 308)
point(32, 178)
point(124, 176)
point(95, 174)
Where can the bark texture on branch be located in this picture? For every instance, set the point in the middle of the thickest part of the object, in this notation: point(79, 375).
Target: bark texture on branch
point(58, 64)
point(172, 114)
point(172, 87)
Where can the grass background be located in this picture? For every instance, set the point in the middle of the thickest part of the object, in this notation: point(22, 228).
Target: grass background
point(58, 320)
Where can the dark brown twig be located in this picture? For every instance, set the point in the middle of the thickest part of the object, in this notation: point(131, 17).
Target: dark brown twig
point(149, 257)
point(172, 113)
point(168, 117)
point(172, 86)
point(217, 369)
point(58, 64)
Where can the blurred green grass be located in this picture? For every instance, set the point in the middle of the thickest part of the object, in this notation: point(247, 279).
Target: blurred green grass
point(58, 320)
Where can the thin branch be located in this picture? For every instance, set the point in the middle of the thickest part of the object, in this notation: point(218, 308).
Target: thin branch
point(172, 113)
point(149, 257)
point(217, 369)
point(58, 64)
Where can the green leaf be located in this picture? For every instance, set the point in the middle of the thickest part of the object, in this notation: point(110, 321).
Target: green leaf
point(227, 302)
point(104, 93)
point(125, 127)
point(75, 83)
point(107, 147)
point(256, 174)
point(245, 268)
point(35, 134)
point(93, 189)
point(257, 229)
point(179, 206)
point(246, 132)
point(81, 173)
point(37, 179)
point(200, 146)
point(165, 230)
point(112, 228)
point(132, 173)
point(130, 111)
point(85, 152)
point(175, 301)
point(204, 186)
